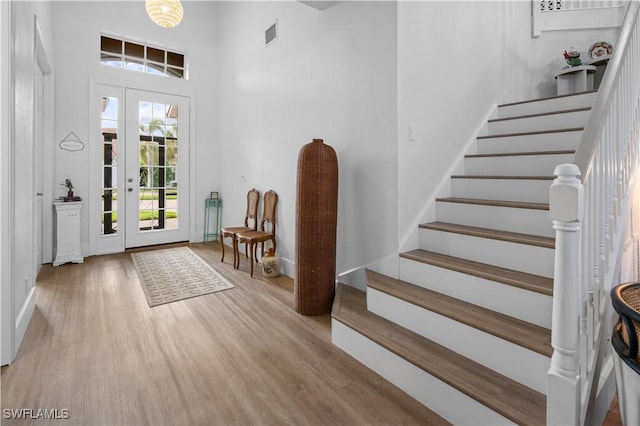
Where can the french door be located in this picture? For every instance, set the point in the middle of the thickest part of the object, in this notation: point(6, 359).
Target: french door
point(156, 168)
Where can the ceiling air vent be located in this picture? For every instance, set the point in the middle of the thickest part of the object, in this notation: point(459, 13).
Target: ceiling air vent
point(271, 34)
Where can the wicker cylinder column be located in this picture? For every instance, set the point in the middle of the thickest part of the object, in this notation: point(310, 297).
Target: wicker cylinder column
point(316, 221)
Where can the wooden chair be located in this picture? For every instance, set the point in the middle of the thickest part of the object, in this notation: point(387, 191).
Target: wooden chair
point(267, 230)
point(253, 198)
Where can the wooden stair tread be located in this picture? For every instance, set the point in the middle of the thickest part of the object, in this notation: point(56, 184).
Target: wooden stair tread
point(514, 237)
point(520, 154)
point(530, 101)
point(534, 132)
point(527, 335)
point(497, 203)
point(514, 401)
point(535, 283)
point(505, 177)
point(539, 114)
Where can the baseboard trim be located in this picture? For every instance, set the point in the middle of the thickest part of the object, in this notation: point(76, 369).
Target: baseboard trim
point(23, 318)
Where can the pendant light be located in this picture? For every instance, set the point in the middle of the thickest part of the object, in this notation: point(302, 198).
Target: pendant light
point(166, 13)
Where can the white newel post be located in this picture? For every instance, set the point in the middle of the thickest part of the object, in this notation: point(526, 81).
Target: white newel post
point(565, 209)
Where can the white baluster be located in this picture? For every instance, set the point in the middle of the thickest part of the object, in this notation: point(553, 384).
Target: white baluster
point(565, 207)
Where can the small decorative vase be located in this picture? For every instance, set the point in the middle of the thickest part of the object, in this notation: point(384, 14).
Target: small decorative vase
point(271, 264)
point(70, 194)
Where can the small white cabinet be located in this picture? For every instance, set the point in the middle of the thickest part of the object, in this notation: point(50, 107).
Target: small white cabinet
point(67, 233)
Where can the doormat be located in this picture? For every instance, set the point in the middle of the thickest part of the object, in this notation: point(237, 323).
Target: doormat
point(174, 274)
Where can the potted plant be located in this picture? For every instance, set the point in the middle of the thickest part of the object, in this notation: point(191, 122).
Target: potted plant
point(67, 184)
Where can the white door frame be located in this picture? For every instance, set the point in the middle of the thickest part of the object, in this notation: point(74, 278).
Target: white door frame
point(6, 188)
point(42, 60)
point(43, 148)
point(38, 161)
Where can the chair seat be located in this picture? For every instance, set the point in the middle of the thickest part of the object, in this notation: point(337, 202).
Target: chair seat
point(256, 236)
point(235, 229)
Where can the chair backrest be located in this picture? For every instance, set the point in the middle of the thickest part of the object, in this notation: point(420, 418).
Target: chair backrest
point(253, 198)
point(269, 212)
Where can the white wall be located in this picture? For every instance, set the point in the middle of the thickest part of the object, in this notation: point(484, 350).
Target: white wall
point(77, 46)
point(332, 75)
point(456, 62)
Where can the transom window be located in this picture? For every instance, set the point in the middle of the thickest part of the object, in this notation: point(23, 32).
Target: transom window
point(128, 55)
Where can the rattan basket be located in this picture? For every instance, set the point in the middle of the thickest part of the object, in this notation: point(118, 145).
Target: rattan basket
point(626, 337)
point(316, 221)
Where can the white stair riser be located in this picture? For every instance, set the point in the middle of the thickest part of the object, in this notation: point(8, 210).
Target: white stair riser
point(557, 141)
point(533, 191)
point(539, 123)
point(448, 402)
point(548, 105)
point(516, 362)
point(525, 221)
point(518, 165)
point(520, 257)
point(512, 301)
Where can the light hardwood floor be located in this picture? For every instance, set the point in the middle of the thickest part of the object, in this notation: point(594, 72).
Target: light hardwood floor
point(241, 356)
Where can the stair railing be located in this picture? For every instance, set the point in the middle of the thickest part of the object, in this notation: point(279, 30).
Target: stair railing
point(588, 215)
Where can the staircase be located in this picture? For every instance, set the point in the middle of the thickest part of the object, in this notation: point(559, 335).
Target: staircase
point(465, 329)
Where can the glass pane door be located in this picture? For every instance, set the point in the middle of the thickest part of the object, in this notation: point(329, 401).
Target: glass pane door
point(158, 162)
point(157, 168)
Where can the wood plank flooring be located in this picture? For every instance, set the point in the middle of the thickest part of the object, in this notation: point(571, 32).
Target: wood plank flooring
point(241, 356)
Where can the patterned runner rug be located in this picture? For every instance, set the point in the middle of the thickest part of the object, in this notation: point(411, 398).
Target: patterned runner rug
point(174, 274)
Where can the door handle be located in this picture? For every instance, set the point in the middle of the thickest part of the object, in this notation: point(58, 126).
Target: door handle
point(130, 189)
point(39, 194)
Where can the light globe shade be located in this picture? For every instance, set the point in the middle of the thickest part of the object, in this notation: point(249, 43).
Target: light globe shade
point(166, 13)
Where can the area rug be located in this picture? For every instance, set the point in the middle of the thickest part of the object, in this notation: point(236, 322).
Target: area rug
point(174, 274)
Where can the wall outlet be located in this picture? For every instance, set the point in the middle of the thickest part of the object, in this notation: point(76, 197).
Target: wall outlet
point(412, 132)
